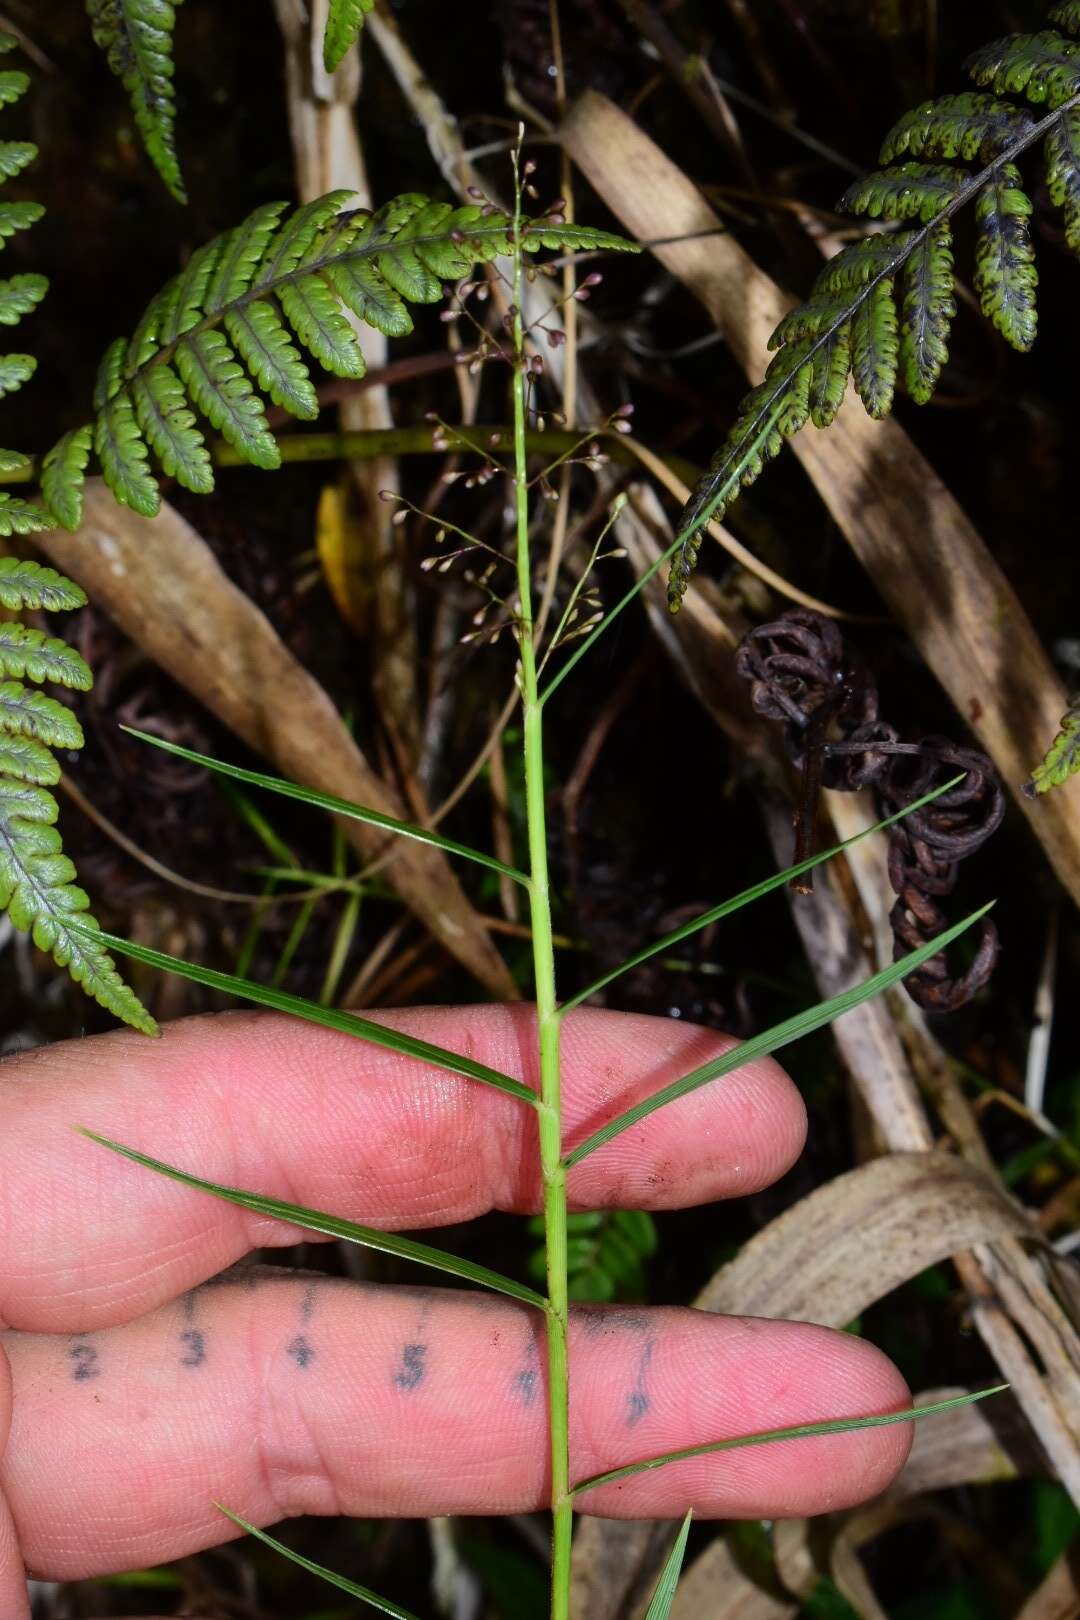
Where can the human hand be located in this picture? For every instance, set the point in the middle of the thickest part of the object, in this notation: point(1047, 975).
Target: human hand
point(136, 1396)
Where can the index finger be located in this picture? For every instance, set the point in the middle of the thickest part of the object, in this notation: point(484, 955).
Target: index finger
point(277, 1106)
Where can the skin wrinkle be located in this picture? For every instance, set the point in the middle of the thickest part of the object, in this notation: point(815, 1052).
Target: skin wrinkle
point(294, 1467)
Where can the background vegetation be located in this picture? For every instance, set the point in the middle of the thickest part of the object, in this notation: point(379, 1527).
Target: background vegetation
point(664, 798)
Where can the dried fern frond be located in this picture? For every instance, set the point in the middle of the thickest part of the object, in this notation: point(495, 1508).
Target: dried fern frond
point(237, 321)
point(137, 38)
point(851, 323)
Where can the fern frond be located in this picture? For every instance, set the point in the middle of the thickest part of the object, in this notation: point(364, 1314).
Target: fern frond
point(1062, 758)
point(343, 27)
point(967, 125)
point(1005, 274)
point(1042, 67)
point(851, 313)
point(14, 461)
point(219, 332)
point(928, 311)
point(909, 191)
point(36, 878)
point(137, 38)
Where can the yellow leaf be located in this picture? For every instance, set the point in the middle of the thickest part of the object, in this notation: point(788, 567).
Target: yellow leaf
point(339, 542)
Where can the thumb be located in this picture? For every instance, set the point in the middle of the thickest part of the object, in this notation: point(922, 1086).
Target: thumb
point(13, 1598)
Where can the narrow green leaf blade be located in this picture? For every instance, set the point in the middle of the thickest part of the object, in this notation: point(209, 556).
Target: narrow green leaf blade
point(746, 897)
point(792, 1029)
point(384, 1605)
point(330, 1017)
point(664, 1595)
point(800, 1431)
point(328, 801)
point(316, 1220)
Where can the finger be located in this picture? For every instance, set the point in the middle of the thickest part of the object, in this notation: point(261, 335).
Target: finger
point(280, 1107)
point(281, 1396)
point(13, 1599)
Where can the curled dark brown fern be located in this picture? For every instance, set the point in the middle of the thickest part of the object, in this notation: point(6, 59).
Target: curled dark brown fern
point(802, 674)
point(882, 308)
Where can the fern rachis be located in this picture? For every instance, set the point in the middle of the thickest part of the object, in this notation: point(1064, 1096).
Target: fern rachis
point(835, 325)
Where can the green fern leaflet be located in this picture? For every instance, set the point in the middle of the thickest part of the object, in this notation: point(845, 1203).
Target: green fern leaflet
point(237, 321)
point(343, 27)
point(137, 38)
point(1062, 758)
point(851, 324)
